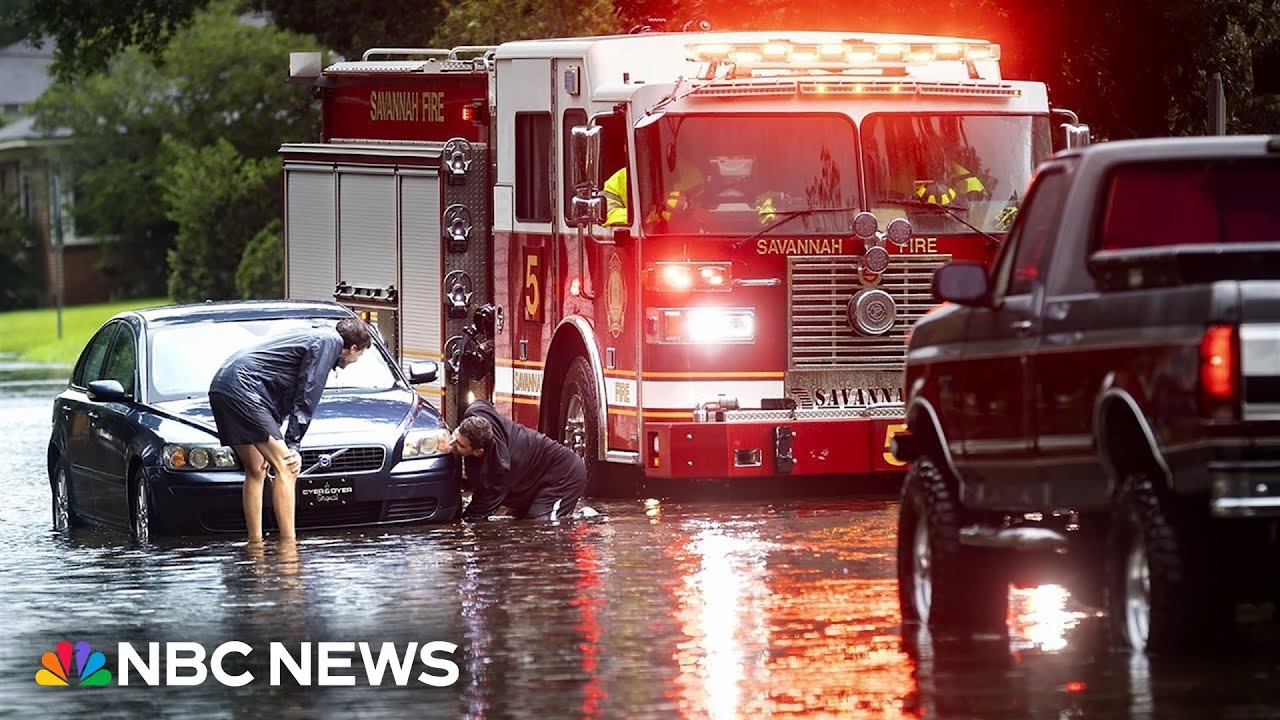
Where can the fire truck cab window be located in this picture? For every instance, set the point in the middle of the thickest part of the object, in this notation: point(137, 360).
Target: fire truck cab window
point(975, 165)
point(739, 174)
point(533, 167)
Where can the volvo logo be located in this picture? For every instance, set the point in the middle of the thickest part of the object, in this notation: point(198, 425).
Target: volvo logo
point(326, 460)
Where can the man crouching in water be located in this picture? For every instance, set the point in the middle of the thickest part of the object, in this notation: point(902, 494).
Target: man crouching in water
point(509, 464)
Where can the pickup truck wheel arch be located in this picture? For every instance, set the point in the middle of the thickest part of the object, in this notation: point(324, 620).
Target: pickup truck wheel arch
point(922, 420)
point(1125, 441)
point(941, 582)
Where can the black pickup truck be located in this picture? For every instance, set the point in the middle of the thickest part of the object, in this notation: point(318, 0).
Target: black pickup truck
point(1109, 391)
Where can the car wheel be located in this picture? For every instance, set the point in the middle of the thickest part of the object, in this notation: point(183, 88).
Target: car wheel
point(579, 426)
point(942, 583)
point(1157, 597)
point(140, 509)
point(64, 516)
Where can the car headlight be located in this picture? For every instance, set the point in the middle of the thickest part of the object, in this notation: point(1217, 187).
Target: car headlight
point(200, 457)
point(424, 443)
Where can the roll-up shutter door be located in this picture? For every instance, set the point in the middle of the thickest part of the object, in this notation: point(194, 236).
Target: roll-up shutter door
point(367, 230)
point(420, 250)
point(310, 238)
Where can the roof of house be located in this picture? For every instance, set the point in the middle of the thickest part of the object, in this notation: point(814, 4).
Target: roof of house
point(25, 69)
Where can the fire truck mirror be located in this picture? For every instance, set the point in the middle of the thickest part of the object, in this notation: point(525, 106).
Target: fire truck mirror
point(1075, 135)
point(588, 211)
point(584, 151)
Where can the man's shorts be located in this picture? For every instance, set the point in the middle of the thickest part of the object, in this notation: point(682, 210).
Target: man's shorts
point(241, 420)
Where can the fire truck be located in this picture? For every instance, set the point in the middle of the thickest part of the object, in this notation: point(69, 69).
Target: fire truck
point(695, 253)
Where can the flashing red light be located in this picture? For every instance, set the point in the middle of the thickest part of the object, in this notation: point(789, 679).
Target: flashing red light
point(1075, 686)
point(468, 113)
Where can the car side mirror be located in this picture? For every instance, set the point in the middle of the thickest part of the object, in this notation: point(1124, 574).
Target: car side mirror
point(963, 282)
point(107, 391)
point(423, 372)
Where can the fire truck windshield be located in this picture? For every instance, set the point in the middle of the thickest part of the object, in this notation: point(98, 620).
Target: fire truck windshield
point(977, 165)
point(737, 174)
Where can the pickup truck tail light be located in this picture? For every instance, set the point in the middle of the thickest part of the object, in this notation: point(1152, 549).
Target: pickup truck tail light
point(1220, 373)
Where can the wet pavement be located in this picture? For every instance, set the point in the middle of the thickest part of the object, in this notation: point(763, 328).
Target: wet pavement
point(758, 607)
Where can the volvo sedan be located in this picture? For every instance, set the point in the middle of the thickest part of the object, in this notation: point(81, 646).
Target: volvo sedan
point(134, 443)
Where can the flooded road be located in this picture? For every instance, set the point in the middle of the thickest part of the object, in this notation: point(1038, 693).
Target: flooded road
point(760, 608)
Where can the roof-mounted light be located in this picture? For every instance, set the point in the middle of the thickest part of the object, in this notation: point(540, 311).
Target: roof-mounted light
point(831, 51)
point(861, 55)
point(712, 51)
point(776, 50)
point(948, 51)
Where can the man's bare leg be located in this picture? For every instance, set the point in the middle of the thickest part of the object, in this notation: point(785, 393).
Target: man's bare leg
point(255, 473)
point(286, 464)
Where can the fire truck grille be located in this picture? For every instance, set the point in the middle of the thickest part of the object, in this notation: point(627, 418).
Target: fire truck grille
point(820, 334)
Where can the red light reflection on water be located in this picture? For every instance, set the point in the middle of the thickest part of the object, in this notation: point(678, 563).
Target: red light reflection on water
point(788, 636)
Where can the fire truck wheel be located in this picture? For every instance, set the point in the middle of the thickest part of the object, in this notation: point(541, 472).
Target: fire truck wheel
point(579, 427)
point(942, 583)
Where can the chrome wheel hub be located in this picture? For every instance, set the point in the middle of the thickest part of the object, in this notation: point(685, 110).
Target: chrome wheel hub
point(575, 427)
point(142, 515)
point(922, 571)
point(61, 501)
point(1137, 596)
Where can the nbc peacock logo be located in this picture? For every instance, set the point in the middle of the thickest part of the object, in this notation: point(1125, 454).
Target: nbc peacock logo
point(90, 666)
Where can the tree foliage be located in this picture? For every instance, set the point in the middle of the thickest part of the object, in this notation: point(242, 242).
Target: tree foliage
point(260, 275)
point(219, 81)
point(489, 22)
point(219, 200)
point(21, 263)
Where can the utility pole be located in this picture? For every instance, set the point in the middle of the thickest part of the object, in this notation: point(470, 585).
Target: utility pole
point(55, 215)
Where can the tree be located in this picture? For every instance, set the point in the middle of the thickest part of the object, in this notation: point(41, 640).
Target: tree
point(261, 272)
point(219, 80)
point(219, 200)
point(21, 264)
point(489, 22)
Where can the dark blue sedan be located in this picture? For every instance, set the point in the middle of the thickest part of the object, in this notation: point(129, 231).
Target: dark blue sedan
point(134, 443)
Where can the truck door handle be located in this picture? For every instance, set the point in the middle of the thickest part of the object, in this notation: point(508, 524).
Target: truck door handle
point(1021, 327)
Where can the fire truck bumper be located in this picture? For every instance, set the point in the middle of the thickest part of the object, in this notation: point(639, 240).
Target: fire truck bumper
point(752, 448)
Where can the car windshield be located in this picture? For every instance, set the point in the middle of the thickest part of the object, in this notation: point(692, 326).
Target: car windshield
point(978, 165)
point(737, 174)
point(184, 358)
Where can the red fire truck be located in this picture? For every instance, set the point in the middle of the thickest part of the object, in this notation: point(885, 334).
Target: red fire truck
point(734, 303)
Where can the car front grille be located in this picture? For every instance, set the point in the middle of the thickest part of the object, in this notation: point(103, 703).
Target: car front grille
point(362, 513)
point(417, 509)
point(362, 459)
point(820, 287)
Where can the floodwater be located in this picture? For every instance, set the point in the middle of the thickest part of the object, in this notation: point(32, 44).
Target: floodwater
point(758, 607)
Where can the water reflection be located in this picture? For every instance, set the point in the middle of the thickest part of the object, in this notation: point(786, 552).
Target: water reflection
point(660, 609)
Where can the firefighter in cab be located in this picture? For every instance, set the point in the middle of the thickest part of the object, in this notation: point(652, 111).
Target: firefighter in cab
point(684, 181)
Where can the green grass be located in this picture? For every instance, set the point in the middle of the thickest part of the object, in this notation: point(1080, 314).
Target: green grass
point(33, 334)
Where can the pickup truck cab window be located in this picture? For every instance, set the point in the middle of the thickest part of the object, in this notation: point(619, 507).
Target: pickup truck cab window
point(1021, 266)
point(1160, 204)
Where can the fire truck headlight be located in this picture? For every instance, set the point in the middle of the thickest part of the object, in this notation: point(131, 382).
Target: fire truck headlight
point(677, 277)
point(872, 312)
point(716, 325)
point(701, 326)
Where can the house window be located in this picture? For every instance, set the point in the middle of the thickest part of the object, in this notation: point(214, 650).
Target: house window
point(533, 167)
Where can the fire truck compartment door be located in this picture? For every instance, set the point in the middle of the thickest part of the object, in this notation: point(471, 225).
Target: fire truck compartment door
point(367, 228)
point(310, 219)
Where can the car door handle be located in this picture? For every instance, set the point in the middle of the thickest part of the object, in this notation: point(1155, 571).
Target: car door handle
point(1021, 327)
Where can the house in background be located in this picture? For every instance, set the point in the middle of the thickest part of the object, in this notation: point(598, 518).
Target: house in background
point(28, 167)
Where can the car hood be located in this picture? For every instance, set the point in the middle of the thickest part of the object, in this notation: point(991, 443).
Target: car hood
point(343, 417)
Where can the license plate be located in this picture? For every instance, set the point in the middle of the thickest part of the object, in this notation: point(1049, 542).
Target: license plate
point(327, 492)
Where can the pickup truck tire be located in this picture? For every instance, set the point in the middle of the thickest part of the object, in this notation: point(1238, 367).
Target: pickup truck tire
point(942, 583)
point(1157, 599)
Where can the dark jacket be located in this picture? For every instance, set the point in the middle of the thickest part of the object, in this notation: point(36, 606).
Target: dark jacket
point(516, 466)
point(285, 373)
